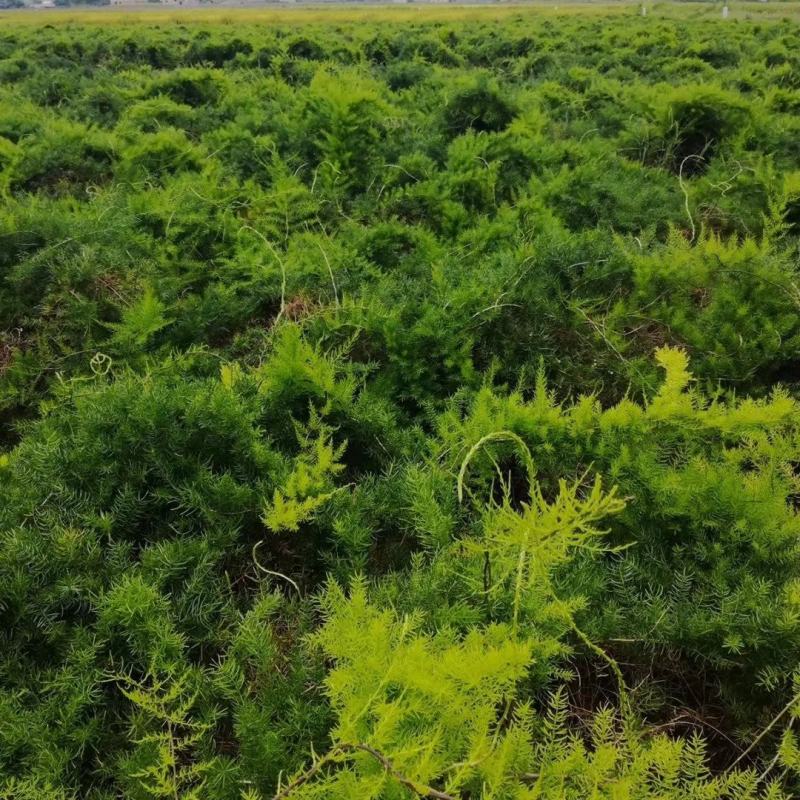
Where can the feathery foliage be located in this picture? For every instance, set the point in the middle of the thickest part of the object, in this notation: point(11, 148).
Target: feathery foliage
point(398, 408)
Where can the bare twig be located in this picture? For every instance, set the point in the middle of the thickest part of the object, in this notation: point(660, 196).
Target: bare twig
point(330, 272)
point(280, 262)
point(261, 567)
point(788, 707)
point(686, 194)
point(347, 750)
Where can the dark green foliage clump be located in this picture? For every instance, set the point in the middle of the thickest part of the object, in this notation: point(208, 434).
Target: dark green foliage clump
point(394, 411)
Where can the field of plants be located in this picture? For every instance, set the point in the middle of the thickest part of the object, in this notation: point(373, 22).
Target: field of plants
point(400, 404)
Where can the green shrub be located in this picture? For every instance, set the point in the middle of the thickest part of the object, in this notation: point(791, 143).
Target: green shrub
point(158, 156)
point(733, 305)
point(156, 113)
point(710, 531)
point(477, 105)
point(190, 86)
point(701, 121)
point(345, 116)
point(66, 157)
point(617, 194)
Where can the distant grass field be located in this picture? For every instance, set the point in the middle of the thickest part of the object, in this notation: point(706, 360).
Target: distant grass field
point(310, 14)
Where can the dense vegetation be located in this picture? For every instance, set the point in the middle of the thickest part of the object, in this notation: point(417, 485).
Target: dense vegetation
point(399, 410)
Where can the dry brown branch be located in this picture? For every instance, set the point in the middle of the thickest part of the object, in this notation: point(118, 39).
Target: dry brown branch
point(347, 749)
